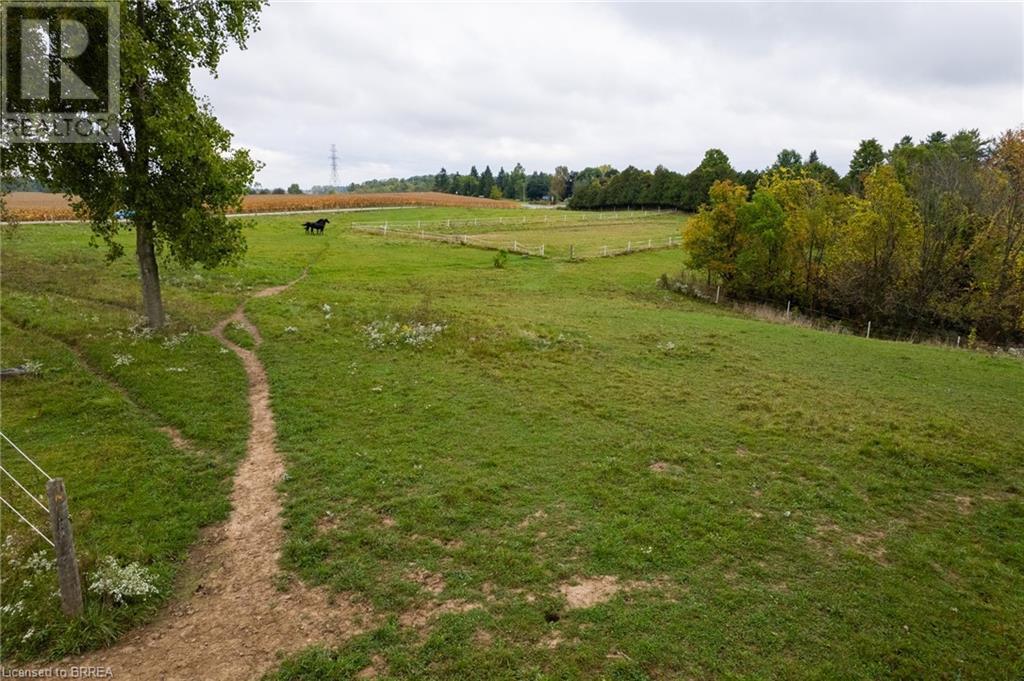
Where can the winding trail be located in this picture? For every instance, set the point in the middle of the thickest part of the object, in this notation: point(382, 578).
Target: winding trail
point(231, 620)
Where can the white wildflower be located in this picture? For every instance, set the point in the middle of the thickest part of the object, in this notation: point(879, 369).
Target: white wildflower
point(122, 360)
point(291, 329)
point(38, 562)
point(177, 370)
point(174, 341)
point(32, 366)
point(415, 334)
point(122, 583)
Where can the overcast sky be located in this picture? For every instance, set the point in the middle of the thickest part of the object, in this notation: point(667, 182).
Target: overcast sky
point(405, 89)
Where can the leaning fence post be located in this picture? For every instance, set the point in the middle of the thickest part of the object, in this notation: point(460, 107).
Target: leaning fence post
point(787, 308)
point(869, 331)
point(64, 545)
point(717, 292)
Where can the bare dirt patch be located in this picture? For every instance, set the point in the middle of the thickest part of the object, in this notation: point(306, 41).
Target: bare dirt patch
point(430, 581)
point(964, 504)
point(177, 439)
point(532, 518)
point(551, 640)
point(418, 618)
point(230, 620)
point(869, 543)
point(327, 522)
point(586, 592)
point(666, 468)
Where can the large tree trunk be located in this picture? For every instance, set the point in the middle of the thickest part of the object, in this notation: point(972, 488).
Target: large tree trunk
point(145, 252)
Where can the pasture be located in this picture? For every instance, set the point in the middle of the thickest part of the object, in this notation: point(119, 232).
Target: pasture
point(556, 234)
point(550, 470)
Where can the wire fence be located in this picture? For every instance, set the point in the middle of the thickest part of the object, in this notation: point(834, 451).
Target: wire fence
point(9, 502)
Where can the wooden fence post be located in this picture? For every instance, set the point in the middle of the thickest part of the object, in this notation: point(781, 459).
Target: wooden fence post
point(572, 251)
point(869, 331)
point(64, 545)
point(717, 292)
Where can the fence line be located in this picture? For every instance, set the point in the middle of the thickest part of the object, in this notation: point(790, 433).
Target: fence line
point(23, 489)
point(26, 521)
point(27, 457)
point(513, 246)
point(69, 582)
point(501, 221)
point(631, 247)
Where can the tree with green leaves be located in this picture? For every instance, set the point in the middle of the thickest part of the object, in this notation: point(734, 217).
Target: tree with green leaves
point(868, 155)
point(441, 181)
point(714, 167)
point(173, 170)
point(516, 188)
point(561, 183)
point(789, 158)
point(874, 261)
point(294, 188)
point(486, 182)
point(713, 238)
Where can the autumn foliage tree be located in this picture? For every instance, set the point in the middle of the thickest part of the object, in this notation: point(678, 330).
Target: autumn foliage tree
point(934, 238)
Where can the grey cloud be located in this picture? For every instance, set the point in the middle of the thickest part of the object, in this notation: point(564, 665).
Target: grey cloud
point(406, 89)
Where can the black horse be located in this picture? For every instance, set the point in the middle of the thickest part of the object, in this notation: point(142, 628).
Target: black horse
point(315, 227)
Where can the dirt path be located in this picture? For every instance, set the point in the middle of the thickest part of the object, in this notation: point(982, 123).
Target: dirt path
point(231, 620)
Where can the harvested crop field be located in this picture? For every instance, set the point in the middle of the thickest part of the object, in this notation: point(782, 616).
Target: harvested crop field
point(31, 206)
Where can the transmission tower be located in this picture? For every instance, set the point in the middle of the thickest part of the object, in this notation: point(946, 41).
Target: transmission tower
point(334, 166)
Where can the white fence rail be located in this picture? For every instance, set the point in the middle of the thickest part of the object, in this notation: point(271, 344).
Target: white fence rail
point(494, 242)
point(513, 246)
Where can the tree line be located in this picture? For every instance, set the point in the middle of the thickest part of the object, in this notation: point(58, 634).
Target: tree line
point(605, 187)
point(924, 235)
point(514, 184)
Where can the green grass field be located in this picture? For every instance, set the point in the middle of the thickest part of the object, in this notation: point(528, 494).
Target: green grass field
point(746, 500)
point(561, 233)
